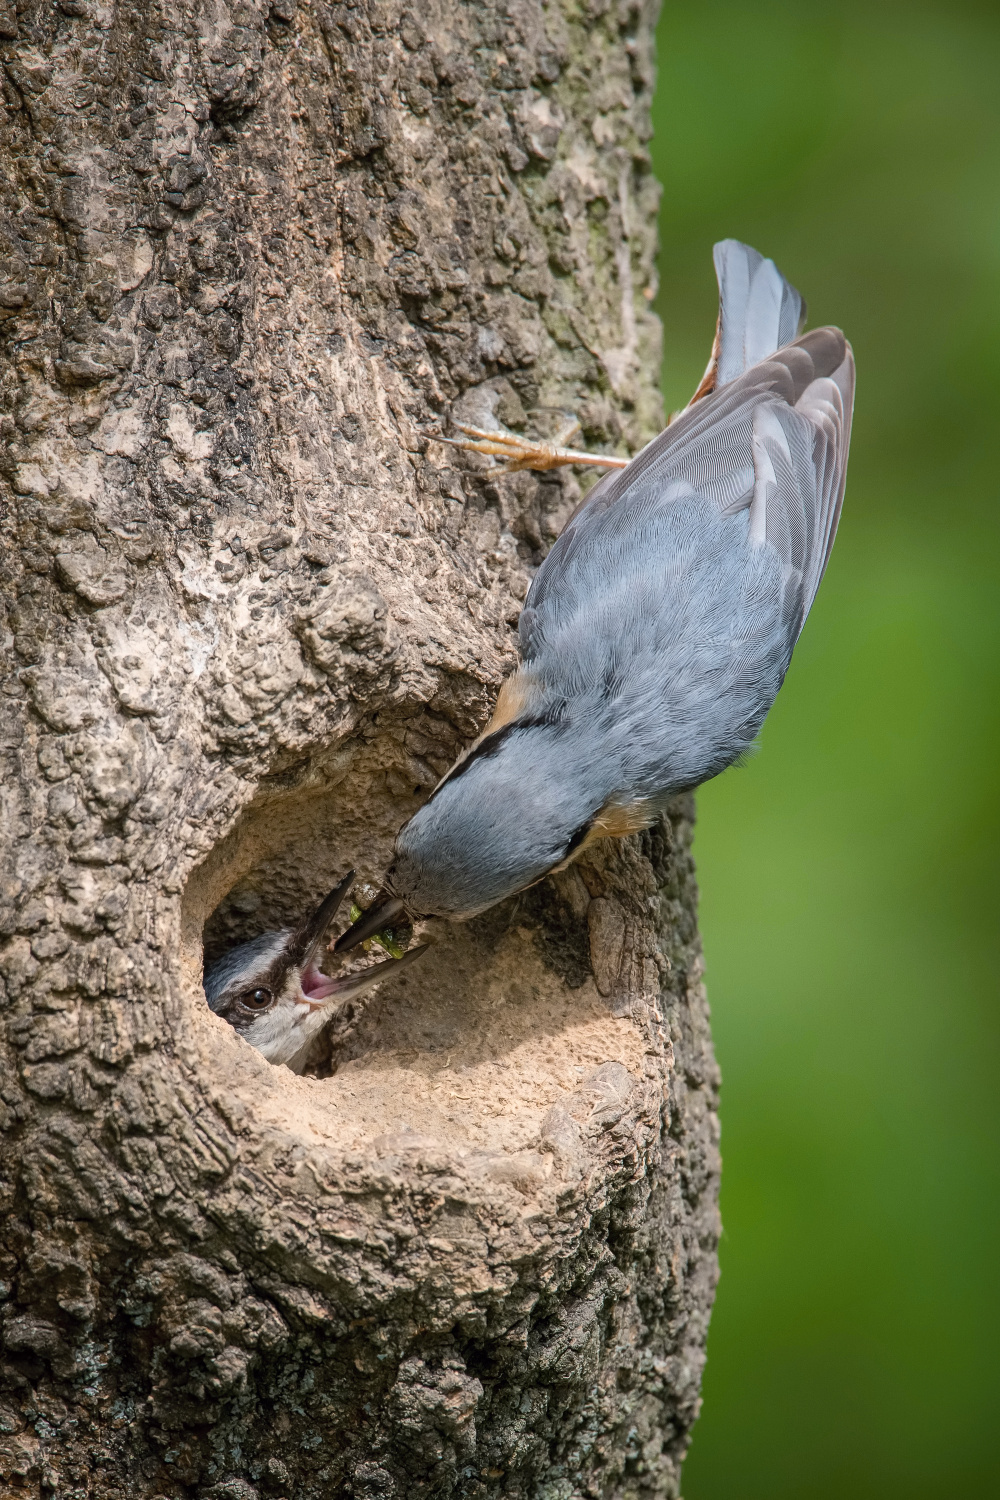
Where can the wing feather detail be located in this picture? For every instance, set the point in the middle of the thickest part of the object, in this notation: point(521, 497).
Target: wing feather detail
point(774, 440)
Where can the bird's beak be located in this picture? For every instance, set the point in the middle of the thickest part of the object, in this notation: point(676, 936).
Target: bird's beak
point(312, 934)
point(317, 989)
point(323, 990)
point(383, 910)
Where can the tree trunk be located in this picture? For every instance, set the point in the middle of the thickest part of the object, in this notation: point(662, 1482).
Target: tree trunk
point(254, 258)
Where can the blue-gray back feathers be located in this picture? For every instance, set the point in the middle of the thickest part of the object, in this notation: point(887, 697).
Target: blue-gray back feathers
point(773, 442)
point(658, 629)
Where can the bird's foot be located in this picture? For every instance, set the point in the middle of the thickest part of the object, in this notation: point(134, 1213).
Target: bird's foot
point(528, 453)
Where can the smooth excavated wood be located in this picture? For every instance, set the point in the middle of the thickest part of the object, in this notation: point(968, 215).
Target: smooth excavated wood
point(252, 256)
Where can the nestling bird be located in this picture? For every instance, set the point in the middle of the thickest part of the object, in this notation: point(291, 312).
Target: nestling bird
point(273, 992)
point(659, 628)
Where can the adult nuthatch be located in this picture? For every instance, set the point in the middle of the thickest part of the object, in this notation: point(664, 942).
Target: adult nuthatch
point(659, 628)
point(273, 992)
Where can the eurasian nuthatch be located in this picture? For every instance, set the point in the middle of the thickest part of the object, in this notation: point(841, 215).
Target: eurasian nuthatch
point(273, 991)
point(660, 626)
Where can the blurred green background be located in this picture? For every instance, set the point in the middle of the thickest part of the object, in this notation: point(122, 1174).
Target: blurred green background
point(850, 873)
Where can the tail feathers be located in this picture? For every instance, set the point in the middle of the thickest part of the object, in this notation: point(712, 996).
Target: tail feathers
point(759, 311)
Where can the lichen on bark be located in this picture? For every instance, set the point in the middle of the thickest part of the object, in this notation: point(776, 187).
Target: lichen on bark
point(255, 258)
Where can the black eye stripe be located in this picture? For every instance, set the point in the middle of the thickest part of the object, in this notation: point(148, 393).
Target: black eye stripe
point(579, 836)
point(491, 745)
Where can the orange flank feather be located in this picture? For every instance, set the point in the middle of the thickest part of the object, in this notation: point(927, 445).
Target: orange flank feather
point(515, 696)
point(615, 820)
point(710, 378)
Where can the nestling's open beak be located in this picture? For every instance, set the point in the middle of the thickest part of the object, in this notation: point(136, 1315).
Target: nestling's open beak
point(318, 990)
point(312, 934)
point(383, 911)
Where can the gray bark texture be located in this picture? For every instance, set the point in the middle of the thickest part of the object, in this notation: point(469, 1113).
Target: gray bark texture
point(255, 256)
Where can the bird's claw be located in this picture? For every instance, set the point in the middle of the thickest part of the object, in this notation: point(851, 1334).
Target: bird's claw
point(527, 453)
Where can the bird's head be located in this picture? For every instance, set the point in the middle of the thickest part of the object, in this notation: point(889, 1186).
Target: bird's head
point(272, 990)
point(519, 806)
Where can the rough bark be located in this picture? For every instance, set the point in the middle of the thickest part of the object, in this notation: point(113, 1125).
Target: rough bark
point(254, 257)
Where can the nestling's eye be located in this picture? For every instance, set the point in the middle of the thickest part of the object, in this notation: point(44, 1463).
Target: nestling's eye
point(256, 999)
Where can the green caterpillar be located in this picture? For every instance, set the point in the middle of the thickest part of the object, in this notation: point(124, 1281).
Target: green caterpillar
point(389, 938)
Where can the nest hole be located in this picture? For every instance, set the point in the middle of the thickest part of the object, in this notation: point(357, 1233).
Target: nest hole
point(480, 992)
point(295, 842)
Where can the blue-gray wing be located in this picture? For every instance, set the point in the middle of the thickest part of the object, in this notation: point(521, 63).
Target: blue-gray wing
point(774, 442)
point(759, 311)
